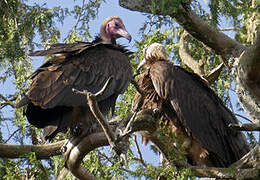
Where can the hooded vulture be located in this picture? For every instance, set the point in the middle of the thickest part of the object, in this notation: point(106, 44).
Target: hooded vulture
point(195, 115)
point(50, 102)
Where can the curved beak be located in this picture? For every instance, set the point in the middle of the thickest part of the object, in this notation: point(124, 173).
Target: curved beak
point(141, 64)
point(123, 33)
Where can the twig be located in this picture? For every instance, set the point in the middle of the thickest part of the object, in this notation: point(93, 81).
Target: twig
point(128, 129)
point(101, 92)
point(91, 99)
point(12, 134)
point(230, 102)
point(228, 29)
point(139, 152)
point(243, 117)
point(214, 74)
point(99, 116)
point(246, 127)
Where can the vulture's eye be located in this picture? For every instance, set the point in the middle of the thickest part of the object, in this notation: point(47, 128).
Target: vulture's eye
point(116, 24)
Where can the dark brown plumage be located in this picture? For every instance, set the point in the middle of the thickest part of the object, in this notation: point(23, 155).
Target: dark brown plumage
point(50, 102)
point(193, 112)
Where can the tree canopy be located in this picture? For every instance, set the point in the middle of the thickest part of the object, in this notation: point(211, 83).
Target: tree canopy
point(217, 39)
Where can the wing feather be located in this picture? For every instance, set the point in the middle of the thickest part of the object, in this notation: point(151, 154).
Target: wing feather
point(52, 82)
point(61, 48)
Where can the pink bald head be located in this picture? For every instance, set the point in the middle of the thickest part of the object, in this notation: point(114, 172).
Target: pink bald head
point(114, 28)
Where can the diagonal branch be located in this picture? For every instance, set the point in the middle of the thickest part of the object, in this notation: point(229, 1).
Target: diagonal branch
point(186, 58)
point(214, 74)
point(139, 152)
point(193, 24)
point(196, 66)
point(92, 102)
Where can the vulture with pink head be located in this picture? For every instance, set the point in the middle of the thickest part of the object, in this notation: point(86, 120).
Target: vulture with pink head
point(50, 102)
point(195, 115)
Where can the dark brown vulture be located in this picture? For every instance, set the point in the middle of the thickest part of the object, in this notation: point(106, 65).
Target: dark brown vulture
point(50, 102)
point(193, 112)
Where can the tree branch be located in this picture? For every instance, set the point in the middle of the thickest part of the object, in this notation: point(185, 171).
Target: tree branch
point(214, 74)
point(186, 58)
point(250, 162)
point(194, 25)
point(86, 145)
point(246, 127)
point(139, 152)
point(78, 150)
point(146, 120)
point(91, 99)
point(22, 151)
point(249, 68)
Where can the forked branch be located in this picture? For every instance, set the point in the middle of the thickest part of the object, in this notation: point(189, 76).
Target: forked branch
point(92, 102)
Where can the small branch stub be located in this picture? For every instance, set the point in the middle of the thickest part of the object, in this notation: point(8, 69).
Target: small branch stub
point(246, 127)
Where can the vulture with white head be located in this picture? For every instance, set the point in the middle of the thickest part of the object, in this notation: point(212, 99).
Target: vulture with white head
point(192, 111)
point(50, 102)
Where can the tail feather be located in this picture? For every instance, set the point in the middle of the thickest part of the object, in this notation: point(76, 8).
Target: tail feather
point(53, 120)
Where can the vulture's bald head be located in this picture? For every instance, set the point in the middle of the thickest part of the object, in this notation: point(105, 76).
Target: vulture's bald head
point(154, 52)
point(112, 29)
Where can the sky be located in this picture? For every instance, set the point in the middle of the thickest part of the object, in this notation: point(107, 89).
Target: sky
point(132, 20)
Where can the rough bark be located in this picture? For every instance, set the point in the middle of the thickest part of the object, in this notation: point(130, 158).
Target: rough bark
point(222, 45)
point(248, 78)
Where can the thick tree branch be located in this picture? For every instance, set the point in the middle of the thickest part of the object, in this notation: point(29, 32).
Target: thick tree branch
point(194, 25)
point(196, 66)
point(145, 120)
point(249, 68)
point(246, 71)
point(78, 150)
point(21, 151)
point(86, 145)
